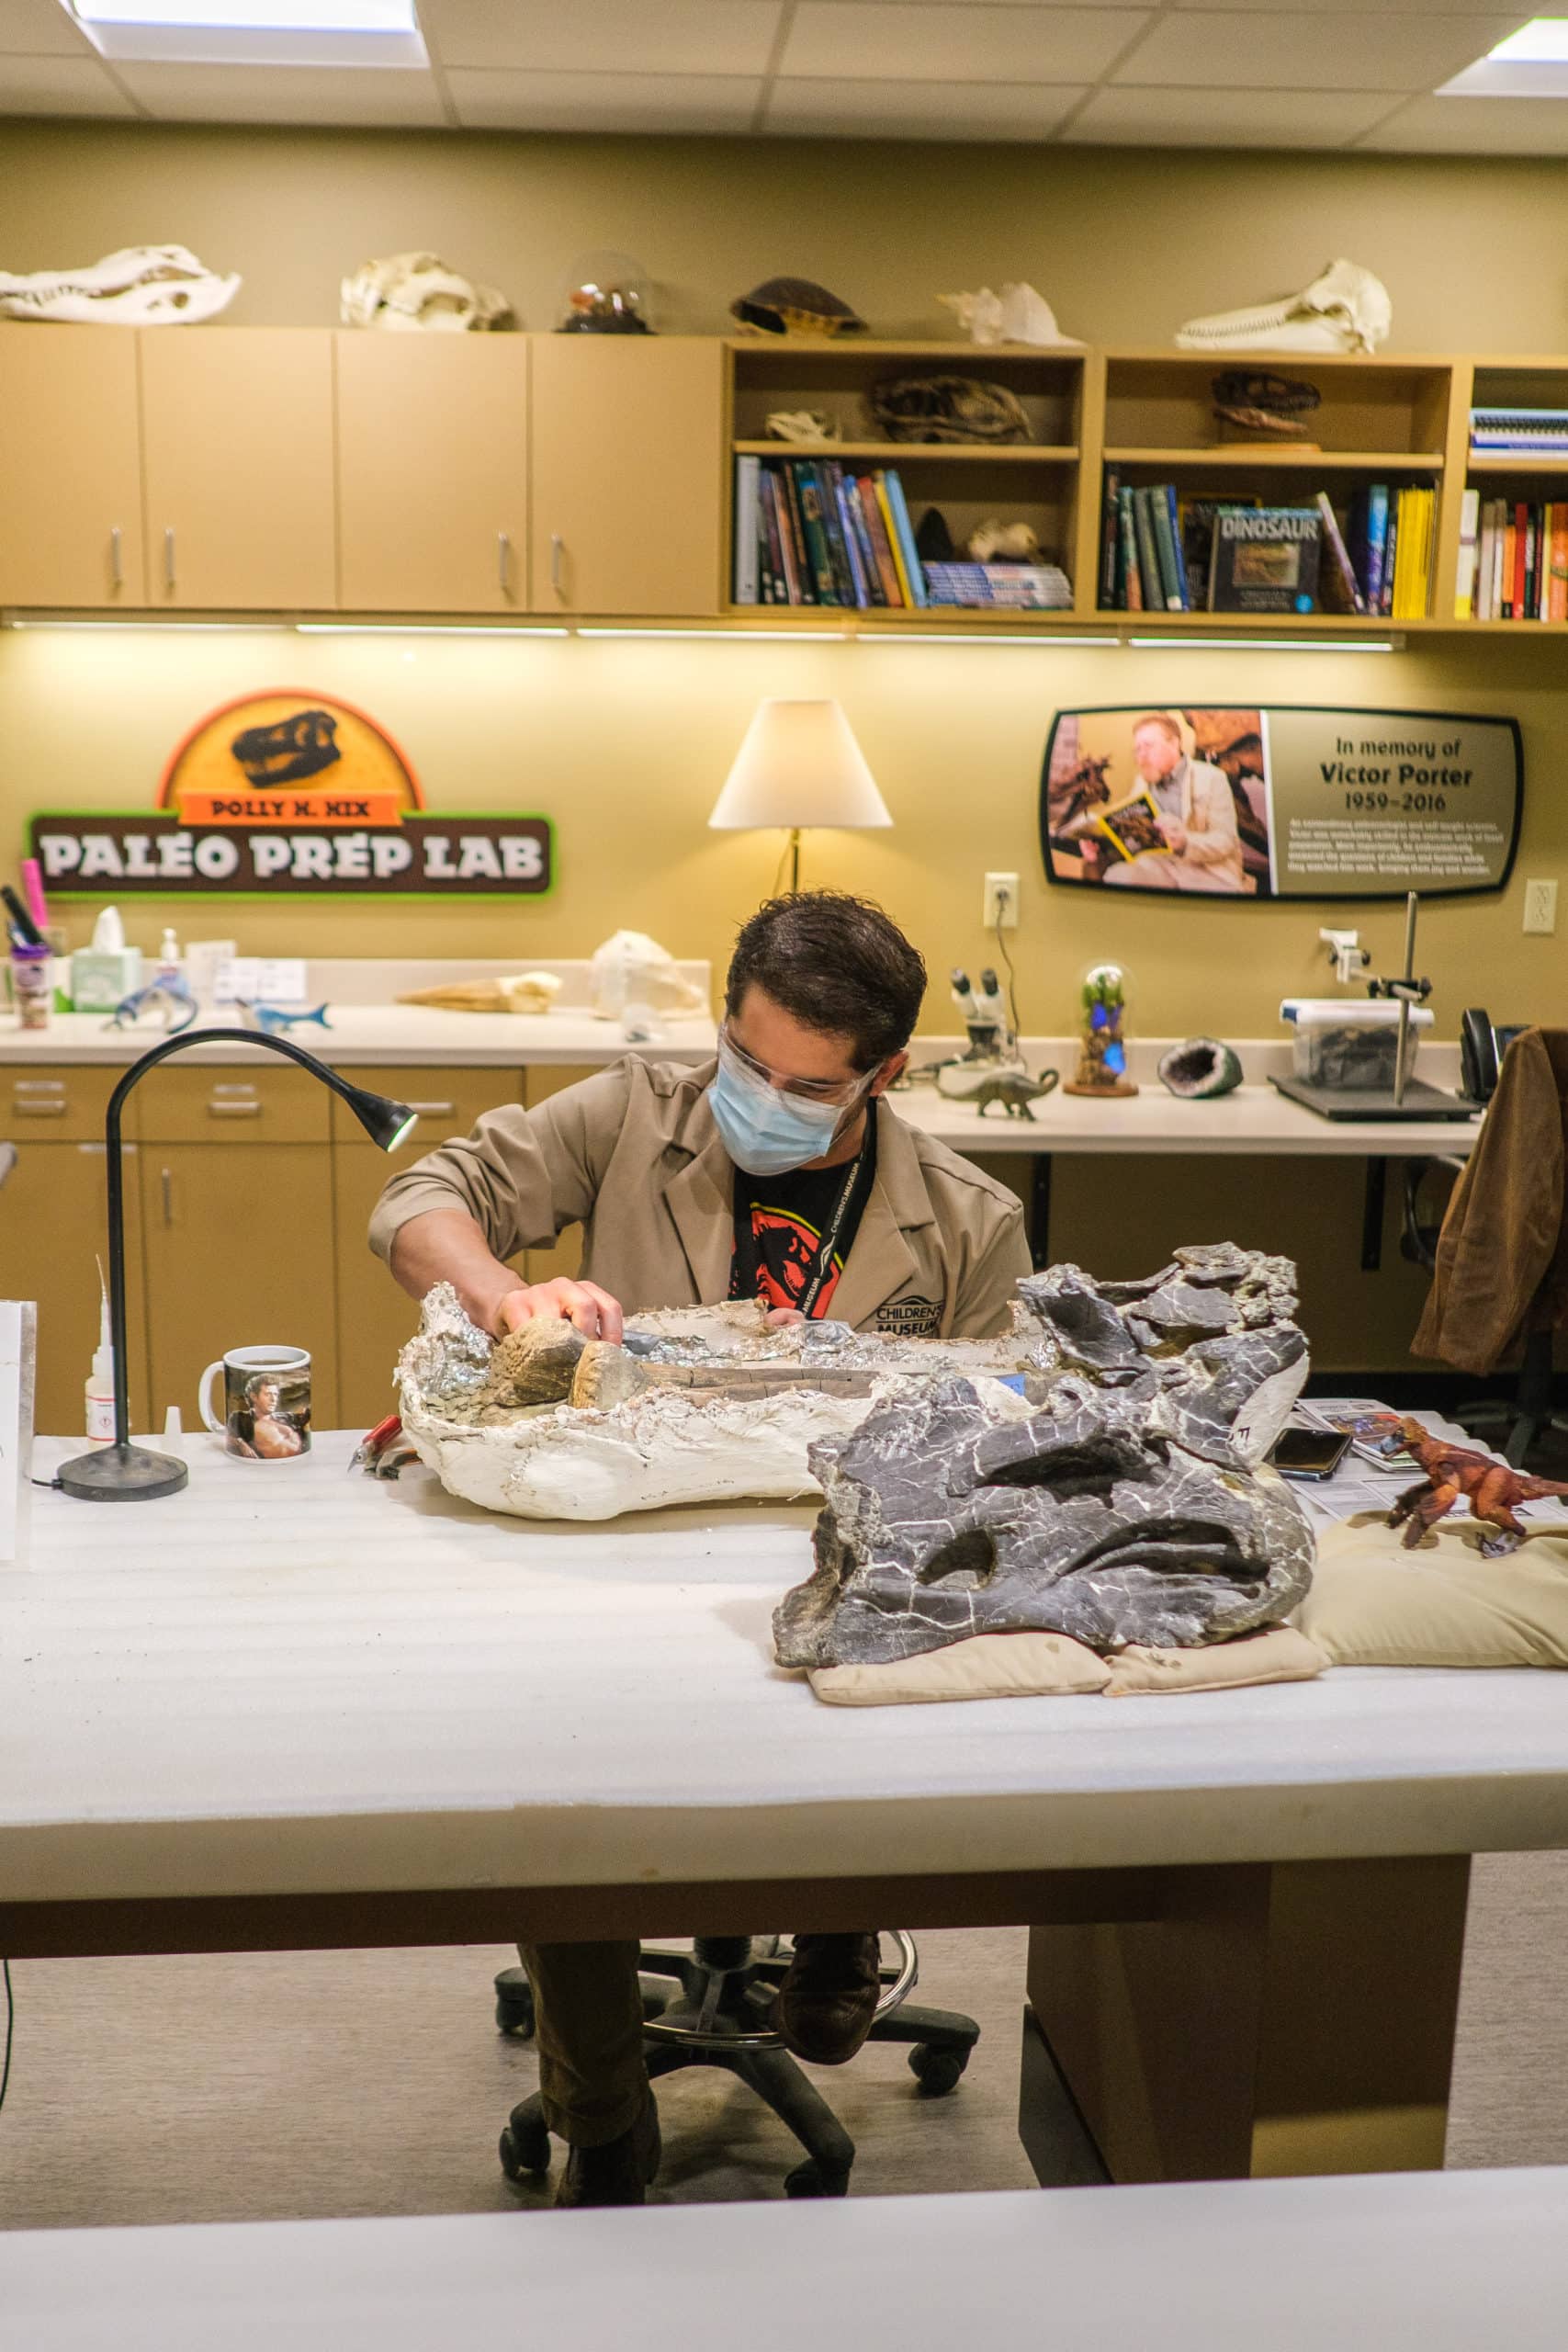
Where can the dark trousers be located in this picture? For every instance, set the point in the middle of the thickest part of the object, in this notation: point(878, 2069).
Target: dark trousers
point(588, 2011)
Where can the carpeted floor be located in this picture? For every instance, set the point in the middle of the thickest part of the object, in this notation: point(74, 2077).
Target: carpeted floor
point(373, 2082)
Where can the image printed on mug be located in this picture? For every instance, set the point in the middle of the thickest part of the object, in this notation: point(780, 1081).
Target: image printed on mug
point(269, 1415)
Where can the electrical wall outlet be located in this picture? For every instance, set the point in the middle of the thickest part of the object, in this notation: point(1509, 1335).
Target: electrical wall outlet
point(1540, 906)
point(1002, 902)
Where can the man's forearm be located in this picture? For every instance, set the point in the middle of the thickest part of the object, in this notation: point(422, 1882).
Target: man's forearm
point(447, 1246)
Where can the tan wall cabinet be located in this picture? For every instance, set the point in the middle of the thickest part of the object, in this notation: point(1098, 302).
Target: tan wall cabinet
point(52, 1221)
point(433, 473)
point(374, 1316)
point(70, 463)
point(239, 473)
point(628, 469)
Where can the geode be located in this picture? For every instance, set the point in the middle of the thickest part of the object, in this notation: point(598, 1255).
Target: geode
point(942, 1520)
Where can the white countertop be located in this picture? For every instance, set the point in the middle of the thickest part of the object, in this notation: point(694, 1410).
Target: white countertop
point(1255, 1119)
point(289, 1680)
point(1414, 2262)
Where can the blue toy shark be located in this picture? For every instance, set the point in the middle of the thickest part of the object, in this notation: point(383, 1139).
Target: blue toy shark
point(274, 1019)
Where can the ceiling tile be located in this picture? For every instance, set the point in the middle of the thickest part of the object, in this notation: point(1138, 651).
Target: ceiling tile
point(1474, 127)
point(59, 85)
point(696, 103)
point(917, 110)
point(604, 36)
point(1234, 118)
point(397, 95)
point(882, 41)
point(1303, 49)
point(41, 28)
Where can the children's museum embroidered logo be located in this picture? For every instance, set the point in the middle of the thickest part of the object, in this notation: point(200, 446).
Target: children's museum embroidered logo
point(290, 790)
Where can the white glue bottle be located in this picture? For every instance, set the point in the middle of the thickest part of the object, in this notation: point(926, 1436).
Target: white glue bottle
point(99, 1384)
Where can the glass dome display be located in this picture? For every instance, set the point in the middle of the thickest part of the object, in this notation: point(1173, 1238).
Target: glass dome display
point(606, 293)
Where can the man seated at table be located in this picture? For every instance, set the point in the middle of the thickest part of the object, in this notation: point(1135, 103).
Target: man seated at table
point(778, 1172)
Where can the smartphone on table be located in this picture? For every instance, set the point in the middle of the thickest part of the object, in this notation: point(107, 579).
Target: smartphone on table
point(1308, 1454)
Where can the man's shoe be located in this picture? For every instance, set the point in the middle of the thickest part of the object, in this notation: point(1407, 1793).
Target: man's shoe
point(619, 2172)
point(829, 1997)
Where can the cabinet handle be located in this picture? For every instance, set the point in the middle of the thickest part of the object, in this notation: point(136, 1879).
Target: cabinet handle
point(432, 1110)
point(233, 1109)
point(168, 1179)
point(46, 1110)
point(504, 561)
point(117, 558)
point(100, 1151)
point(558, 550)
point(169, 557)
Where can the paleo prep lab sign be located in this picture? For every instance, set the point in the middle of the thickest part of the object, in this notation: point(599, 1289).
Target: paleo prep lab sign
point(1223, 801)
point(291, 791)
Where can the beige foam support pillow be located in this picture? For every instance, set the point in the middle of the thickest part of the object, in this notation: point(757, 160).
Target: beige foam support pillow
point(988, 1666)
point(1374, 1603)
point(1279, 1654)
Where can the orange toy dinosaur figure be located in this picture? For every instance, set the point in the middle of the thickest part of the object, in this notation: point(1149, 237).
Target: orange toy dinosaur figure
point(1494, 1489)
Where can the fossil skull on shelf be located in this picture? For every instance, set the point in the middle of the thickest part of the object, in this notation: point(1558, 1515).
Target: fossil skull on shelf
point(1346, 309)
point(416, 293)
point(140, 285)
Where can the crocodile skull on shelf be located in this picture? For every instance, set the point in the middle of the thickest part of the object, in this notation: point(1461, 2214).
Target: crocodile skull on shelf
point(1347, 309)
point(140, 286)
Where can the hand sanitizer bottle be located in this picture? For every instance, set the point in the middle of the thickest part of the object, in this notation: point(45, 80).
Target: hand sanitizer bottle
point(168, 965)
point(100, 1380)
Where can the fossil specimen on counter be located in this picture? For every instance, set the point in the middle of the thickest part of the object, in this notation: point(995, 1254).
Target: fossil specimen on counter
point(709, 1403)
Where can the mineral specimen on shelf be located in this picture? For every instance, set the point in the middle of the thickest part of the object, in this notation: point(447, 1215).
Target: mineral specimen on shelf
point(942, 1520)
point(1199, 1071)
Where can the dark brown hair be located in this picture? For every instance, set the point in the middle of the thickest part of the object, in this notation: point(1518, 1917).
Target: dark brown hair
point(836, 964)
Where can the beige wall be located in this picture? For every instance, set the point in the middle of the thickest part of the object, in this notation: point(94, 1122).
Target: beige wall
point(1124, 244)
point(625, 745)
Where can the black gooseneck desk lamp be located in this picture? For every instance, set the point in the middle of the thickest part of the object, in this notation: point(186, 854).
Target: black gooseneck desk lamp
point(123, 1472)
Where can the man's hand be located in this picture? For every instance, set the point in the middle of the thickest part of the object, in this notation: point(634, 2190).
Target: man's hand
point(1174, 832)
point(778, 1316)
point(591, 1310)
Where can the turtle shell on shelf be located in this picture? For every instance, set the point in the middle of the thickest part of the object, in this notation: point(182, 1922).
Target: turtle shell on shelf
point(795, 306)
point(1199, 1069)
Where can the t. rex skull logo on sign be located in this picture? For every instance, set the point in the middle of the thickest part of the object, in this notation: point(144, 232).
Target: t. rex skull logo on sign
point(290, 750)
point(271, 744)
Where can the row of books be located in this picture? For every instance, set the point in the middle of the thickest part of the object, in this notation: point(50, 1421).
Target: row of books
point(812, 531)
point(1163, 549)
point(1513, 559)
point(1541, 431)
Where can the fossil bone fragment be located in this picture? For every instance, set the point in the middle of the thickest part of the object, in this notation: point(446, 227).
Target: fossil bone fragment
point(997, 542)
point(1344, 309)
point(418, 294)
point(140, 286)
point(631, 971)
point(521, 992)
point(706, 1404)
point(940, 1519)
point(1017, 314)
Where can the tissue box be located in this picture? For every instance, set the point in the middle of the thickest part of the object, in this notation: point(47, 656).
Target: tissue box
point(101, 977)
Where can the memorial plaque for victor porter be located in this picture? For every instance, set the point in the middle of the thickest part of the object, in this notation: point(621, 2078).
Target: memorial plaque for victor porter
point(1246, 801)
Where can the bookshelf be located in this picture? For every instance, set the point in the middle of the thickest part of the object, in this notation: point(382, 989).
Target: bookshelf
point(1531, 477)
point(1037, 481)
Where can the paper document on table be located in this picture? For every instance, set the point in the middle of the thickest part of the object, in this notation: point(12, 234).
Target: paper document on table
point(260, 979)
point(1374, 1427)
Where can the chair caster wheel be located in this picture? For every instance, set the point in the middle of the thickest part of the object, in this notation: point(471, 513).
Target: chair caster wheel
point(514, 2014)
point(814, 2180)
point(937, 2071)
point(525, 2149)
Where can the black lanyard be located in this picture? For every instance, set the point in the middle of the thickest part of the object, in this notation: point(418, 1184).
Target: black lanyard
point(853, 1194)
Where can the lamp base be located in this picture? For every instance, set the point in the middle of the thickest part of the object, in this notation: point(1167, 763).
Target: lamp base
point(121, 1473)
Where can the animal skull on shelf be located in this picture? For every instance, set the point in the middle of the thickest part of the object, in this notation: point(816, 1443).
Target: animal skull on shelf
point(1017, 314)
point(1346, 309)
point(140, 286)
point(416, 293)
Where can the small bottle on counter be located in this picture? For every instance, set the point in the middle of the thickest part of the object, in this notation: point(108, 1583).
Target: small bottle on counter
point(99, 1385)
point(31, 985)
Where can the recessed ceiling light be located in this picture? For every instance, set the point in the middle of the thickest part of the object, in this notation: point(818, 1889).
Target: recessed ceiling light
point(1530, 63)
point(255, 32)
point(1543, 39)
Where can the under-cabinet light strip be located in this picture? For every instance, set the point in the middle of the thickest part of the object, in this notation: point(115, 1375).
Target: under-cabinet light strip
point(426, 629)
point(977, 636)
point(737, 636)
point(1271, 644)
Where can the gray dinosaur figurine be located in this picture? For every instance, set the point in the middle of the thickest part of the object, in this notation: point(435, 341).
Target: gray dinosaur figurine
point(1013, 1088)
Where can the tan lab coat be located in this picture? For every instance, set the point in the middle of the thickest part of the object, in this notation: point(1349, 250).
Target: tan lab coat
point(633, 1155)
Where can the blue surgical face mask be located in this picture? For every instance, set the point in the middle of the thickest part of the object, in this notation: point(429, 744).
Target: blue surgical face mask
point(765, 1131)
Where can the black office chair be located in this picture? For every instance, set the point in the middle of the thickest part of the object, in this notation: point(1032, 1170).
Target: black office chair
point(709, 2007)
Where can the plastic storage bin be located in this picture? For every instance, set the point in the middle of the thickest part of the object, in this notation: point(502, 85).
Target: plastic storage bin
point(1350, 1041)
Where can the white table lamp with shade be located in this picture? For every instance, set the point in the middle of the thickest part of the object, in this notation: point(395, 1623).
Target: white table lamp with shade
point(799, 766)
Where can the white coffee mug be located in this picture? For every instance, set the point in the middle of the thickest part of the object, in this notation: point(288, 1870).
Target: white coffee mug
point(266, 1403)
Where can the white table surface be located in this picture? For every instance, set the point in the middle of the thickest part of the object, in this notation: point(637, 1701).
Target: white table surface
point(289, 1680)
point(1418, 2262)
